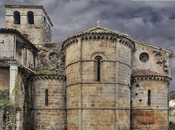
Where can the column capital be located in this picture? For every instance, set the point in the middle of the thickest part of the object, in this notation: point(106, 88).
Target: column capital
point(13, 66)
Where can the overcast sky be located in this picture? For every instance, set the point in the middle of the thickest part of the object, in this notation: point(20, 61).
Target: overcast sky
point(152, 22)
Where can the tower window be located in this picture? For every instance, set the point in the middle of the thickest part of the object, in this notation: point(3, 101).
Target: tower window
point(98, 67)
point(16, 15)
point(30, 17)
point(46, 97)
point(149, 97)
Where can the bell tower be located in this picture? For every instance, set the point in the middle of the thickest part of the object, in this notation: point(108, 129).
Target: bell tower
point(31, 20)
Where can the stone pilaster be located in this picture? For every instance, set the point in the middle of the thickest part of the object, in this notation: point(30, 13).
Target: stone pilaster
point(13, 80)
point(18, 120)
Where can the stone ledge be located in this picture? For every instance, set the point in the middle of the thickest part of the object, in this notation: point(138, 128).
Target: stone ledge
point(95, 60)
point(97, 83)
point(44, 76)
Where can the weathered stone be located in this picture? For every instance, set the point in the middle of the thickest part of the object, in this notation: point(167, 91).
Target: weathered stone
point(97, 79)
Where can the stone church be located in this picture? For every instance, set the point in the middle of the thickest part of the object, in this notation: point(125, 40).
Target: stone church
point(97, 79)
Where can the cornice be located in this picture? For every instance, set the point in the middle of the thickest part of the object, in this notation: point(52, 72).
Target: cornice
point(159, 78)
point(46, 77)
point(99, 36)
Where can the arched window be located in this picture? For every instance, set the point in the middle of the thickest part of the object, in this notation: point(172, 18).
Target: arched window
point(16, 15)
point(30, 17)
point(149, 97)
point(98, 67)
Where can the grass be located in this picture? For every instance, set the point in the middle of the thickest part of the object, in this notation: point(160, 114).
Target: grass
point(172, 116)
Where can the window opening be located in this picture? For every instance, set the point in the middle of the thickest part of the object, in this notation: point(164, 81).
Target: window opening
point(98, 67)
point(144, 57)
point(46, 97)
point(30, 17)
point(53, 57)
point(16, 17)
point(149, 97)
point(44, 19)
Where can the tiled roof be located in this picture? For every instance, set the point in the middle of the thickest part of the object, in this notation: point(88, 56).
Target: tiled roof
point(11, 30)
point(3, 64)
point(30, 6)
point(147, 73)
point(102, 28)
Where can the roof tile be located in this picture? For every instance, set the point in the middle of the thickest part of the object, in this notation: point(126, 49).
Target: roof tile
point(147, 73)
point(4, 64)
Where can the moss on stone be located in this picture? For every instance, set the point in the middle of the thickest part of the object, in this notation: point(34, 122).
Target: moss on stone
point(15, 90)
point(4, 98)
point(49, 71)
point(49, 45)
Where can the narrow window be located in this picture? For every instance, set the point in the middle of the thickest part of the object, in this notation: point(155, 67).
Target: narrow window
point(34, 55)
point(149, 97)
point(30, 17)
point(46, 97)
point(16, 16)
point(97, 68)
point(25, 57)
point(44, 19)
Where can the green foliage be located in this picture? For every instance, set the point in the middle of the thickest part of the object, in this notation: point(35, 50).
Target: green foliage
point(171, 125)
point(4, 98)
point(170, 55)
point(15, 90)
point(134, 71)
point(42, 71)
point(105, 31)
point(58, 71)
point(172, 94)
point(49, 45)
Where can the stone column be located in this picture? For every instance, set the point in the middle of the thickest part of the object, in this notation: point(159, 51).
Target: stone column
point(13, 81)
point(18, 121)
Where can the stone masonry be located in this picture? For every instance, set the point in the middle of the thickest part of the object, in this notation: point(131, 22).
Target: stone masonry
point(96, 79)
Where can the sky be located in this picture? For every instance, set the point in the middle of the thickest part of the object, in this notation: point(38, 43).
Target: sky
point(148, 21)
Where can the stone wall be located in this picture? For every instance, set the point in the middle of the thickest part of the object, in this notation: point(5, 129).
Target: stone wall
point(52, 116)
point(159, 59)
point(92, 104)
point(4, 78)
point(24, 56)
point(7, 46)
point(50, 59)
point(39, 32)
point(155, 115)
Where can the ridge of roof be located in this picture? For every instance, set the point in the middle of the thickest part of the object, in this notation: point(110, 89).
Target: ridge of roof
point(11, 30)
point(100, 27)
point(154, 46)
point(30, 6)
